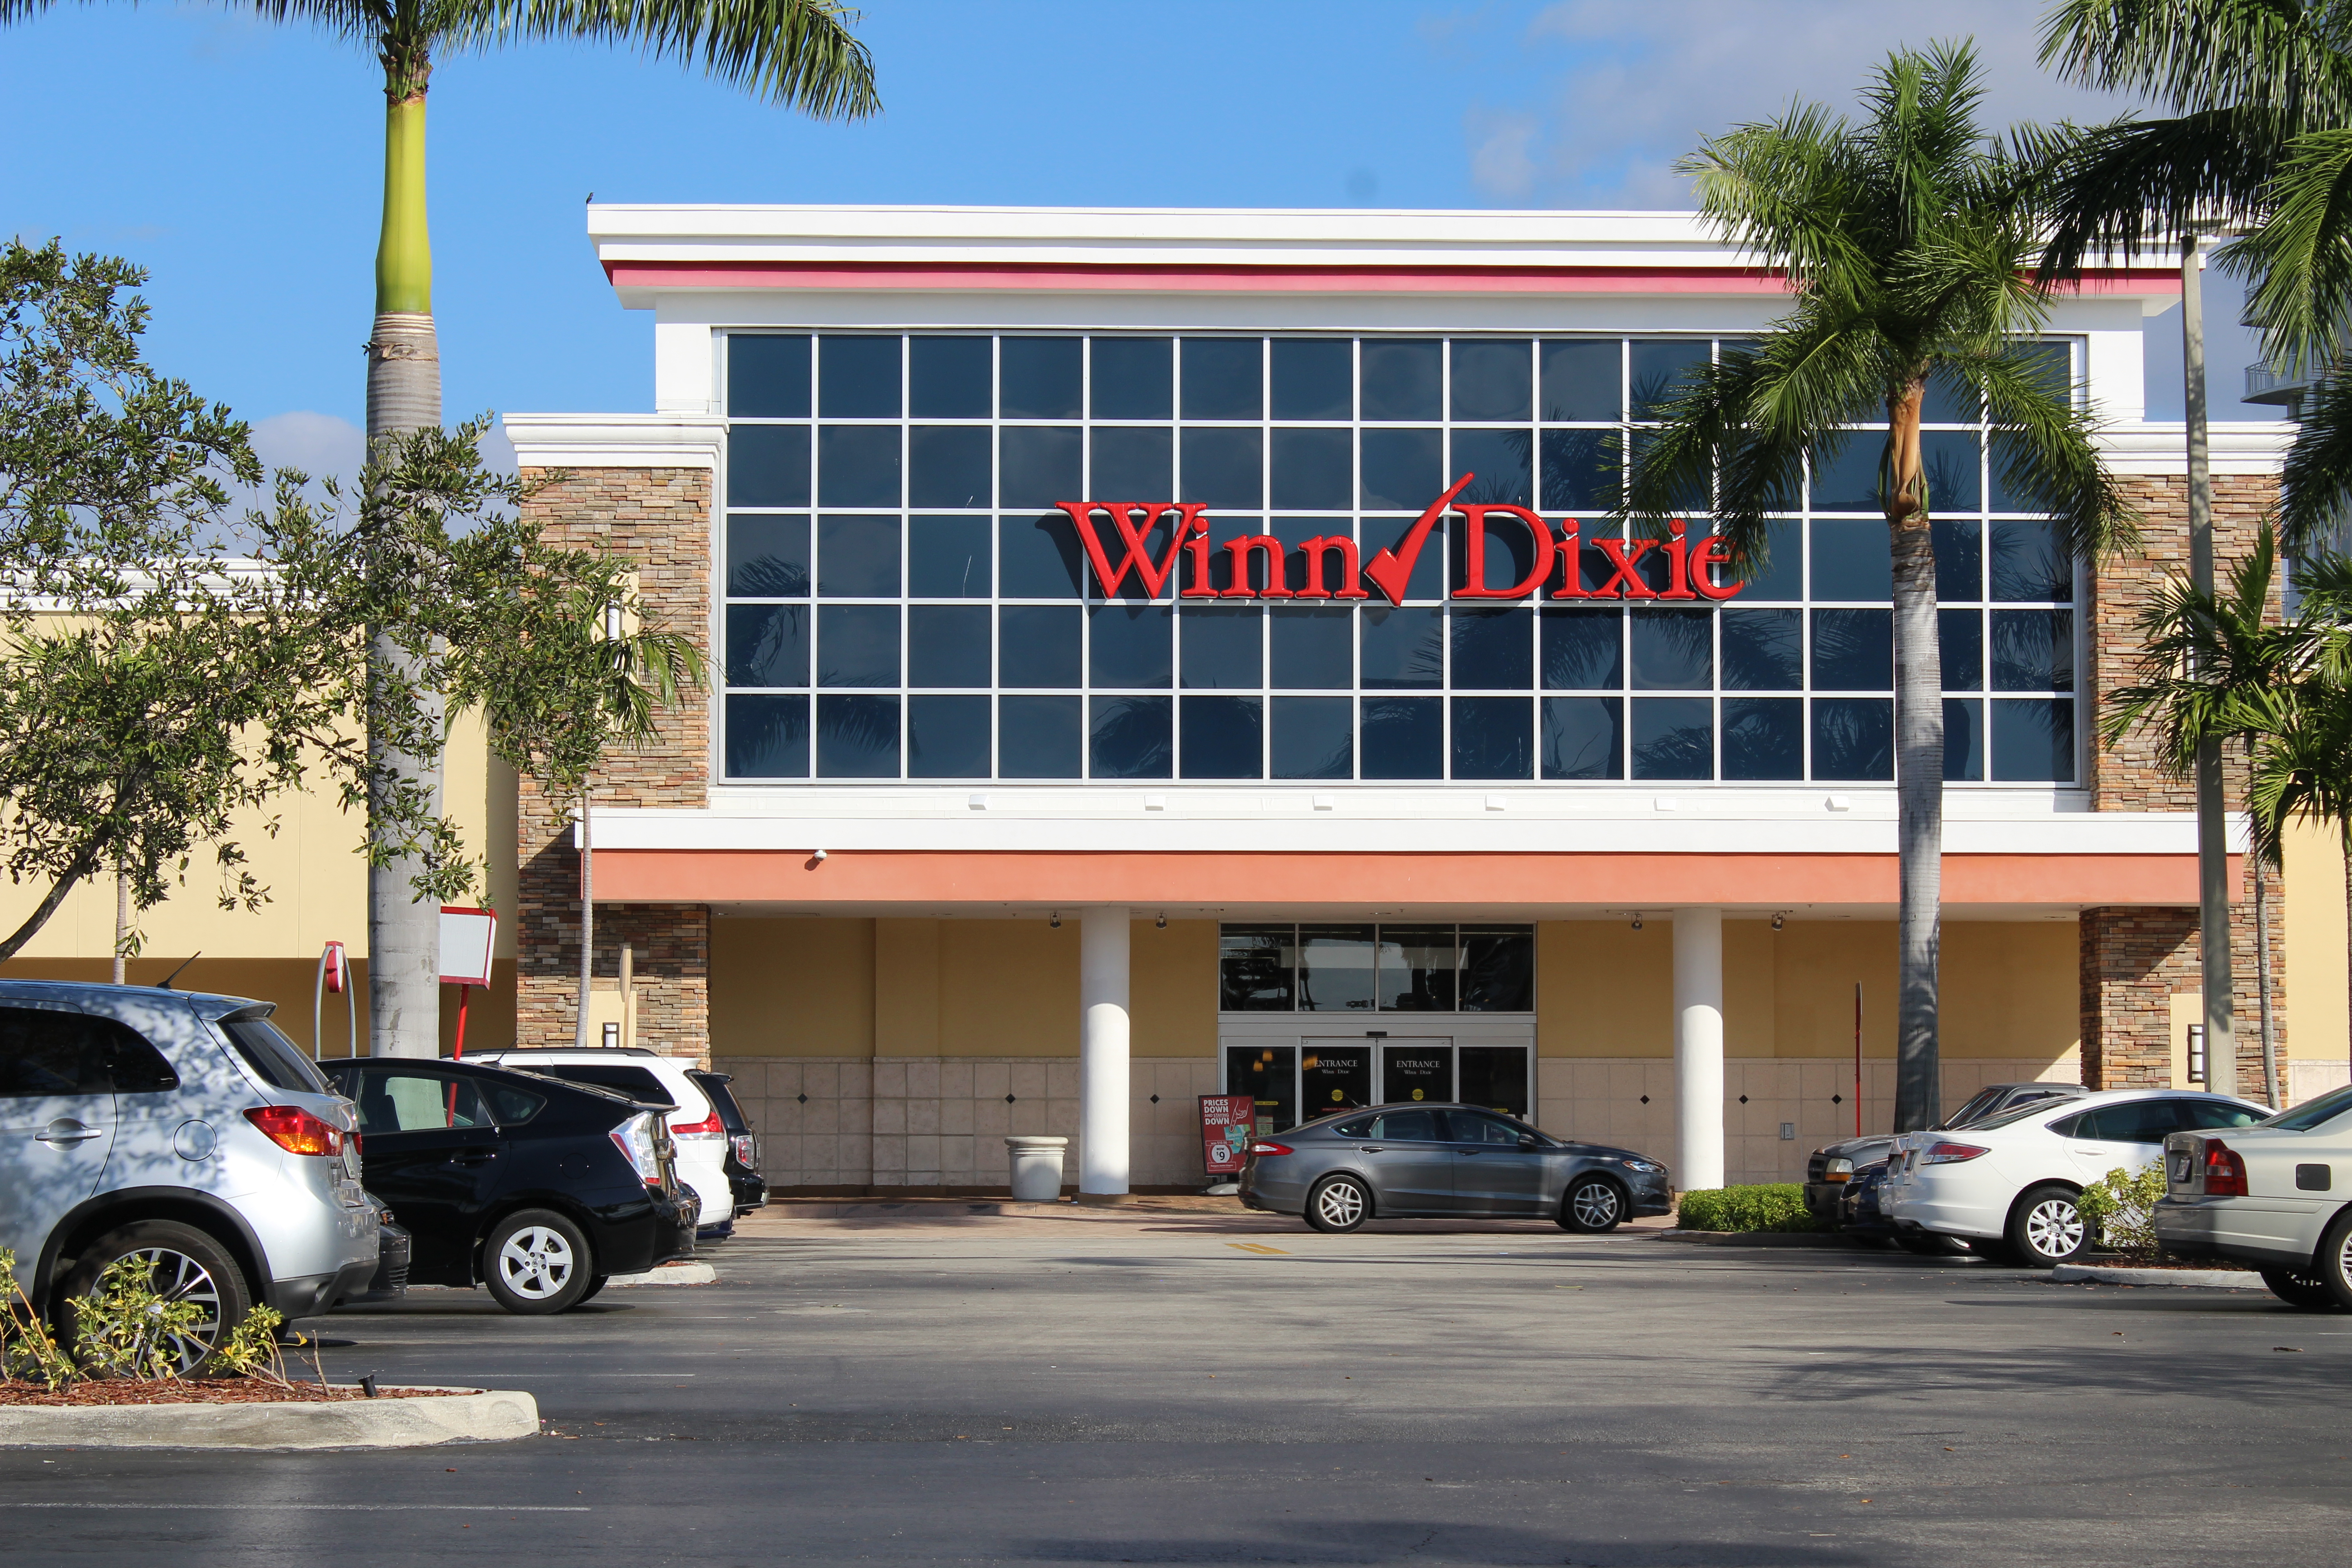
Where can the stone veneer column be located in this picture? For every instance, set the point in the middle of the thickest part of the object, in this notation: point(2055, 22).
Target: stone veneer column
point(659, 520)
point(2134, 960)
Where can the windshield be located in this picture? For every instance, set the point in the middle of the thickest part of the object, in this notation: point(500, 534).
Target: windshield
point(1983, 1102)
point(2013, 1114)
point(722, 1099)
point(2312, 1113)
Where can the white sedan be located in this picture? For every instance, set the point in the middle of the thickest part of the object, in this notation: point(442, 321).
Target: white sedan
point(2009, 1185)
point(2274, 1196)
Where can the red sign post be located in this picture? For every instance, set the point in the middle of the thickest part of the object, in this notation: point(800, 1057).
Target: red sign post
point(1227, 1125)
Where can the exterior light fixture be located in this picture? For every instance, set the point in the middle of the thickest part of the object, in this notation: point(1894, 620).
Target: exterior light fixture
point(1637, 923)
point(1056, 920)
point(1162, 921)
point(1776, 920)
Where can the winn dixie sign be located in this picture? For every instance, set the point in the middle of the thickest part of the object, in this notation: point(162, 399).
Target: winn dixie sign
point(1690, 568)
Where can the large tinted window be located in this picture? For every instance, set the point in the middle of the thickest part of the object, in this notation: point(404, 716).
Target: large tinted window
point(1382, 968)
point(274, 1060)
point(873, 478)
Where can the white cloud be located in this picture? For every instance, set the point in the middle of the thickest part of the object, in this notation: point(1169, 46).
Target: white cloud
point(1645, 83)
point(321, 445)
point(1500, 144)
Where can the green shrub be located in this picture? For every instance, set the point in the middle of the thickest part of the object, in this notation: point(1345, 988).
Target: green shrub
point(27, 1349)
point(1780, 1206)
point(2122, 1203)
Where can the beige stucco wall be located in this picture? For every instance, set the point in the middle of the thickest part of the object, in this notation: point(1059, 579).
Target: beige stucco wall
point(318, 892)
point(2311, 929)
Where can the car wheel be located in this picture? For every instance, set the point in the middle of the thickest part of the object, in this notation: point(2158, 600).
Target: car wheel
point(2335, 1259)
point(2307, 1291)
point(1339, 1204)
point(535, 1261)
point(2047, 1228)
point(1593, 1205)
point(186, 1265)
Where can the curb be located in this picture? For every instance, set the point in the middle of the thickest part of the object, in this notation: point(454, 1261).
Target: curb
point(2196, 1278)
point(668, 1274)
point(1754, 1238)
point(477, 1415)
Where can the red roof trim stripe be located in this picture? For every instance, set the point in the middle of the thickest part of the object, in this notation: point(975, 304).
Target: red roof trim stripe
point(1256, 278)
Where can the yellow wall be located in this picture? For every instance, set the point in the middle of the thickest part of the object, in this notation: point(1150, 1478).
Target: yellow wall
point(1604, 989)
point(2314, 997)
point(946, 988)
point(318, 892)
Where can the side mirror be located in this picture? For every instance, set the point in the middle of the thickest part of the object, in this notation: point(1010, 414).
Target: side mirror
point(1527, 1140)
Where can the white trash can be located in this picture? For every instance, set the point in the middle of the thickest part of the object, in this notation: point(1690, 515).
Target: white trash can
point(1037, 1168)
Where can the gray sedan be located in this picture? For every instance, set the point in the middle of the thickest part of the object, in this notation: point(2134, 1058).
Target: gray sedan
point(1445, 1161)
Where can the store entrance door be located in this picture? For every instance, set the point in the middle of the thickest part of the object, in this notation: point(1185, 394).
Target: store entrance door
point(1416, 1069)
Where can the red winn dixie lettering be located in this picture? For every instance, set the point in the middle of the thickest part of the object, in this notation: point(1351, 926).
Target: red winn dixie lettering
point(1557, 560)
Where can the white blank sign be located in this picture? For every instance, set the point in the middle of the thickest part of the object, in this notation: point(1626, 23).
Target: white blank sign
point(468, 939)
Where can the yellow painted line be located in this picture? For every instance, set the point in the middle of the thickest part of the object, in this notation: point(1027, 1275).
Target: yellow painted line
point(1258, 1246)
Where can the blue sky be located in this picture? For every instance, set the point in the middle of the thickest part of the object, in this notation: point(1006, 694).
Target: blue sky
point(241, 162)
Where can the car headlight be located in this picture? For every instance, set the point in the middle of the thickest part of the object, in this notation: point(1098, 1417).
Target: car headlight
point(1838, 1170)
point(1647, 1167)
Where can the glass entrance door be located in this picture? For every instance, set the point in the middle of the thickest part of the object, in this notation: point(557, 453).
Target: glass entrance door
point(1417, 1069)
point(1333, 1074)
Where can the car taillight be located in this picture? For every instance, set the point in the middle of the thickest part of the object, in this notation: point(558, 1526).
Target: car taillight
point(708, 1127)
point(746, 1151)
point(2225, 1172)
point(1952, 1153)
point(1267, 1150)
point(296, 1131)
point(636, 1141)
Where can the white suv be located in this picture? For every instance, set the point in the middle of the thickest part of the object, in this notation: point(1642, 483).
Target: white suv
point(648, 1076)
point(183, 1128)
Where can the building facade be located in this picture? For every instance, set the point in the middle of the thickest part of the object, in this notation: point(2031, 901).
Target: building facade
point(1160, 653)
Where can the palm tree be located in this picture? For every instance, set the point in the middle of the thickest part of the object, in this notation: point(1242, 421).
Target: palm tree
point(1908, 241)
point(2260, 141)
point(2302, 771)
point(2211, 671)
point(800, 53)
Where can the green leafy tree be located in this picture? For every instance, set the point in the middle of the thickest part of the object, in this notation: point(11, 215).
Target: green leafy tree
point(582, 672)
point(2221, 666)
point(2259, 139)
point(1908, 239)
point(799, 53)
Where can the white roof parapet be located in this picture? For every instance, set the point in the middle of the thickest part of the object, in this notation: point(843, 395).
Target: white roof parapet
point(615, 440)
point(2232, 447)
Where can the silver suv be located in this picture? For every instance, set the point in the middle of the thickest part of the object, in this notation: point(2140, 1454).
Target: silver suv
point(186, 1129)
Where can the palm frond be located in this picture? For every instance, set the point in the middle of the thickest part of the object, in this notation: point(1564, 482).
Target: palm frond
point(2298, 262)
point(2315, 481)
point(801, 53)
point(2130, 186)
point(2285, 59)
point(2047, 451)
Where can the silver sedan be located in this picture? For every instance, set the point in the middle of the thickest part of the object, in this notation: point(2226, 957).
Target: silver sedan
point(1445, 1162)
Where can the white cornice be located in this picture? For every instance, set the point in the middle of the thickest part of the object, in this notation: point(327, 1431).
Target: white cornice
point(615, 440)
point(2160, 446)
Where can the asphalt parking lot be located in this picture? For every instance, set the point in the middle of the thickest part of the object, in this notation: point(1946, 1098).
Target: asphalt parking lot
point(1150, 1394)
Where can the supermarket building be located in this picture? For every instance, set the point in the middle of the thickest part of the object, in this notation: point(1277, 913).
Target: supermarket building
point(1009, 816)
point(1277, 761)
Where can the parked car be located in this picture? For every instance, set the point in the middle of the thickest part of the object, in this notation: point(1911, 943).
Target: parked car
point(1400, 1161)
point(2277, 1195)
point(181, 1127)
point(743, 1163)
point(1835, 1166)
point(652, 1079)
point(538, 1188)
point(2009, 1182)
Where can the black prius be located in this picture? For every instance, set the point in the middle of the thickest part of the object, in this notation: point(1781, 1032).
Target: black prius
point(1447, 1162)
point(538, 1188)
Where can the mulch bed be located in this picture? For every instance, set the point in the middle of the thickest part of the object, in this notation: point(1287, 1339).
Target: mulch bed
point(200, 1391)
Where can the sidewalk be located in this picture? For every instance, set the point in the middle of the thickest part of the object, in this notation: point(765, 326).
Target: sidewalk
point(1153, 1215)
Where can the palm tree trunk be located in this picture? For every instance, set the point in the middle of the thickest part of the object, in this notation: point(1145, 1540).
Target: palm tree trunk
point(404, 394)
point(1918, 771)
point(587, 919)
point(2263, 978)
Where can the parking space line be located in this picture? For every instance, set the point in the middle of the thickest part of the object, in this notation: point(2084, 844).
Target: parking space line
point(1257, 1246)
point(320, 1507)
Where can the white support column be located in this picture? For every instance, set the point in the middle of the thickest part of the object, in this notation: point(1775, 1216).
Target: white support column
point(1102, 1050)
point(1698, 1048)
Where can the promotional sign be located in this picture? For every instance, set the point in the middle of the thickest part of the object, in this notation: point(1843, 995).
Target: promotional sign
point(1226, 1127)
point(1691, 569)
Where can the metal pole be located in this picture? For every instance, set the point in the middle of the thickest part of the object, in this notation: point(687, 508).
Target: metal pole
point(464, 995)
point(1857, 1058)
point(318, 1008)
point(2212, 826)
